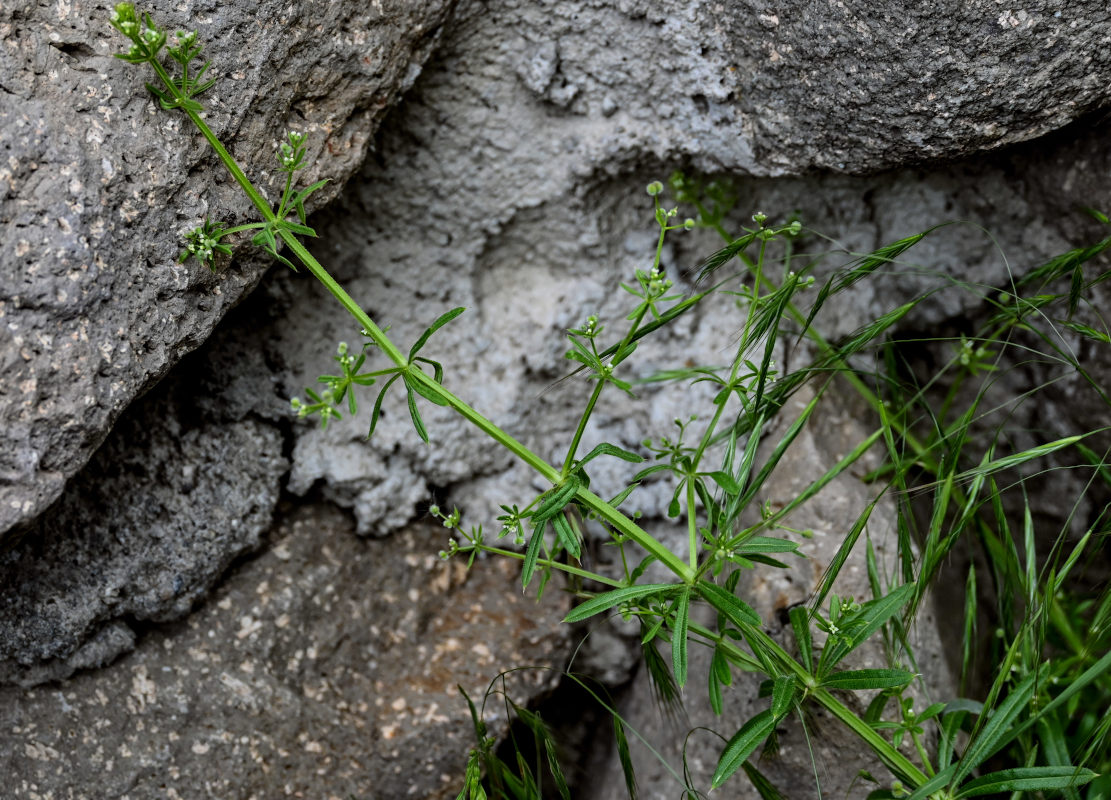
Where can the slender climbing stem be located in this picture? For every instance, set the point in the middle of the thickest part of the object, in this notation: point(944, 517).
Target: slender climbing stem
point(597, 393)
point(570, 569)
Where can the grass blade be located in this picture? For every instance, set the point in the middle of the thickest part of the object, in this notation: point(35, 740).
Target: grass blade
point(625, 758)
point(1026, 779)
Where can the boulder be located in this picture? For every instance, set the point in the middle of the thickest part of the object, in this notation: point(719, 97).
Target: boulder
point(510, 180)
point(328, 667)
point(97, 185)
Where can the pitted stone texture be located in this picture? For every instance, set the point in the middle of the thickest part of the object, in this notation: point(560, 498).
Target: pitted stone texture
point(784, 89)
point(325, 668)
point(528, 209)
point(185, 483)
point(858, 87)
point(97, 184)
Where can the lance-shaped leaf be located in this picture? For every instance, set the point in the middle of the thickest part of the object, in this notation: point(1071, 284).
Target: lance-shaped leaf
point(679, 637)
point(440, 322)
point(742, 745)
point(608, 600)
point(1026, 779)
point(727, 603)
point(856, 679)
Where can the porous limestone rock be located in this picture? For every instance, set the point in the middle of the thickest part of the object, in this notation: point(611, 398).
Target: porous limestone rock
point(510, 180)
point(328, 667)
point(186, 483)
point(97, 185)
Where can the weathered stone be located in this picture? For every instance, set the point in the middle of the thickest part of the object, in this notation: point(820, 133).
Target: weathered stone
point(327, 667)
point(186, 483)
point(510, 181)
point(97, 184)
point(530, 217)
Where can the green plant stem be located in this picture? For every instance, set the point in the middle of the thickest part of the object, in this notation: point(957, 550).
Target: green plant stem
point(597, 393)
point(588, 499)
point(899, 764)
point(547, 562)
point(692, 524)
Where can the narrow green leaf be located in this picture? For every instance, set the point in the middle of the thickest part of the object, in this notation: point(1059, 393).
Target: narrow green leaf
point(937, 782)
point(532, 554)
point(567, 535)
point(623, 495)
point(644, 473)
point(1051, 736)
point(1098, 670)
point(377, 410)
point(736, 611)
point(440, 322)
point(725, 481)
point(1021, 458)
point(1027, 779)
point(861, 268)
point(608, 600)
point(1088, 331)
point(742, 745)
point(766, 544)
point(800, 624)
point(856, 679)
point(554, 767)
point(607, 449)
point(426, 391)
point(842, 555)
point(558, 499)
point(719, 675)
point(783, 692)
point(724, 256)
point(997, 727)
point(679, 637)
point(860, 626)
point(780, 449)
point(414, 413)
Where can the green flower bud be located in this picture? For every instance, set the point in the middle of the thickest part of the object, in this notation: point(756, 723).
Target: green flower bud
point(655, 188)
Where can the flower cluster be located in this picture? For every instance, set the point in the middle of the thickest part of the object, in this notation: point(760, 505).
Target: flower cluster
point(147, 39)
point(203, 243)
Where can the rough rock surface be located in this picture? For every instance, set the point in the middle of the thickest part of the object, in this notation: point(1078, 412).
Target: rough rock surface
point(185, 483)
point(325, 668)
point(511, 181)
point(97, 184)
point(529, 215)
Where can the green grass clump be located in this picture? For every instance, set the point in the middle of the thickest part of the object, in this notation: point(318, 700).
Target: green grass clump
point(961, 477)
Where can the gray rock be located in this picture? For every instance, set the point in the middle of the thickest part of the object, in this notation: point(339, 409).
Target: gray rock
point(511, 181)
point(185, 484)
point(530, 217)
point(97, 185)
point(327, 667)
